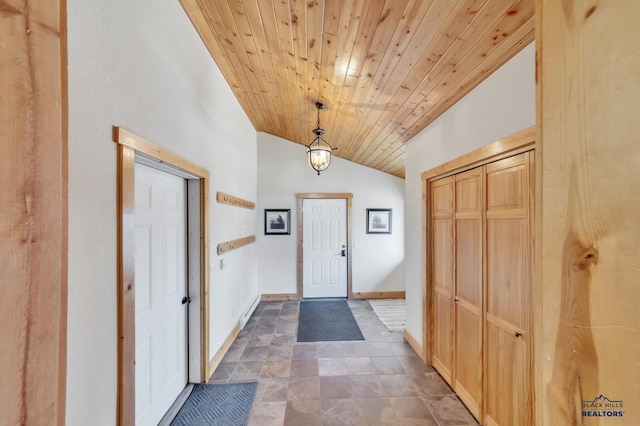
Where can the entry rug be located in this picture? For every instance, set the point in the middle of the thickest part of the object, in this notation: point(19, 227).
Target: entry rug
point(391, 312)
point(217, 405)
point(327, 320)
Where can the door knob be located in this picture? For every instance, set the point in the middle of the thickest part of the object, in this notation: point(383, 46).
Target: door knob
point(343, 253)
point(518, 334)
point(186, 300)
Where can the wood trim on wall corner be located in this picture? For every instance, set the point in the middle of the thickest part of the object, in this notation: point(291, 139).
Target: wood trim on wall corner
point(379, 295)
point(427, 323)
point(34, 219)
point(279, 297)
point(126, 274)
point(413, 342)
point(128, 145)
point(217, 358)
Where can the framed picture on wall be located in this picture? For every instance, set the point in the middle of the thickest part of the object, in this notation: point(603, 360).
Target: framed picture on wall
point(277, 221)
point(378, 221)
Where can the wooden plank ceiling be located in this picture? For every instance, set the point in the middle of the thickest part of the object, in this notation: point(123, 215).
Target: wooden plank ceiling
point(385, 69)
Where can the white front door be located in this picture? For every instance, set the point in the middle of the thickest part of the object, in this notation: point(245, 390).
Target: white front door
point(160, 285)
point(324, 247)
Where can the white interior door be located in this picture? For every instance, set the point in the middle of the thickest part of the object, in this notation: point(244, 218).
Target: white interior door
point(160, 285)
point(324, 239)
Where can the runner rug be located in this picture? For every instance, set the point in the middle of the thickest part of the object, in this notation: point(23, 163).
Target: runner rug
point(327, 320)
point(391, 312)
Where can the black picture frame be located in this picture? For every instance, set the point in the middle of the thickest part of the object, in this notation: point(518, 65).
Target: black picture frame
point(277, 221)
point(379, 221)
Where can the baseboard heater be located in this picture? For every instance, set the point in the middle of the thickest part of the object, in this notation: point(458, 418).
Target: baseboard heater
point(245, 318)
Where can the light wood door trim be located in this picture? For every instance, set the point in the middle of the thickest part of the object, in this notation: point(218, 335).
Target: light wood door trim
point(34, 212)
point(128, 144)
point(316, 195)
point(512, 145)
point(427, 296)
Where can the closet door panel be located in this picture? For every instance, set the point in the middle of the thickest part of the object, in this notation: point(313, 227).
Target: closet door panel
point(469, 260)
point(507, 392)
point(443, 335)
point(468, 365)
point(443, 254)
point(508, 295)
point(468, 289)
point(442, 275)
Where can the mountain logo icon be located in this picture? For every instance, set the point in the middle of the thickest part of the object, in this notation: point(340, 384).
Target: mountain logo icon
point(601, 401)
point(602, 406)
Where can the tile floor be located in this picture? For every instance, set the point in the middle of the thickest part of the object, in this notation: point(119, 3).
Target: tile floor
point(378, 381)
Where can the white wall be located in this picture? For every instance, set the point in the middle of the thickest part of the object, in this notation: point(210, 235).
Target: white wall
point(501, 105)
point(141, 65)
point(283, 171)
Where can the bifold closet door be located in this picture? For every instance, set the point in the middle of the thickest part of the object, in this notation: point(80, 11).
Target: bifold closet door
point(468, 289)
point(508, 398)
point(442, 267)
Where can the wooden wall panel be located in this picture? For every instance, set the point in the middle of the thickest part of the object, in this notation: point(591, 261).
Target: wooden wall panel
point(588, 239)
point(33, 211)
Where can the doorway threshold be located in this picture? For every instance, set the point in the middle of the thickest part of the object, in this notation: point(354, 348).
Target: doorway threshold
point(176, 406)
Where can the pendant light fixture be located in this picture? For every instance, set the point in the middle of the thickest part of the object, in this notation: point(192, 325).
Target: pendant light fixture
point(319, 150)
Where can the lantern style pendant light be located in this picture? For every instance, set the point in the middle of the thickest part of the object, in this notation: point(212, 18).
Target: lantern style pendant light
point(319, 150)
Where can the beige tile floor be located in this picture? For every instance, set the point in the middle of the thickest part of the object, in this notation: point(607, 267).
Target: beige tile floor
point(378, 381)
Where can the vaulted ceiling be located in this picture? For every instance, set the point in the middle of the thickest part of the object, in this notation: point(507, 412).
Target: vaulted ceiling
point(384, 69)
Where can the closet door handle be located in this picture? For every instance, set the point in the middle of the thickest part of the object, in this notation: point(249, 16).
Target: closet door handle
point(518, 334)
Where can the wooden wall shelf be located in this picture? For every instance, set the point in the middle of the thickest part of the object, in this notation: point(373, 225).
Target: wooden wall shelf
point(235, 244)
point(223, 198)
